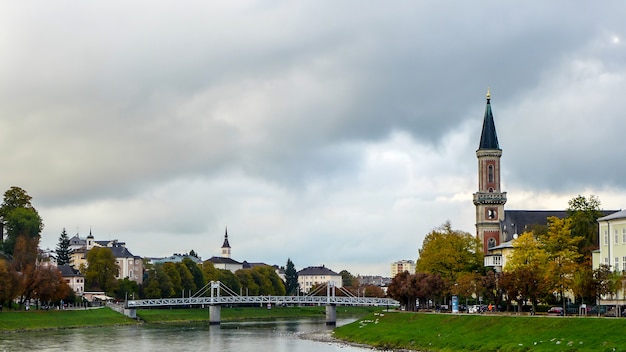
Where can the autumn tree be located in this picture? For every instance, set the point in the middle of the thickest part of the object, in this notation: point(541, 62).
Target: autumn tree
point(9, 283)
point(291, 278)
point(525, 269)
point(403, 290)
point(583, 285)
point(562, 253)
point(63, 250)
point(50, 285)
point(467, 285)
point(373, 291)
point(101, 269)
point(450, 252)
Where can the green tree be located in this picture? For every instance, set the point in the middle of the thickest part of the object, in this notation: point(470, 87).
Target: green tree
point(63, 249)
point(126, 289)
point(607, 282)
point(18, 217)
point(450, 252)
point(291, 278)
point(583, 213)
point(172, 272)
point(158, 284)
point(198, 276)
point(348, 280)
point(187, 282)
point(248, 287)
point(277, 284)
point(101, 269)
point(21, 222)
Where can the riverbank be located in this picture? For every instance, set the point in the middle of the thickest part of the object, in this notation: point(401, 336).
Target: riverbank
point(13, 321)
point(463, 332)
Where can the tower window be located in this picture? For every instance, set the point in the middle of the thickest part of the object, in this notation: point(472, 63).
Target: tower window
point(491, 214)
point(491, 243)
point(490, 174)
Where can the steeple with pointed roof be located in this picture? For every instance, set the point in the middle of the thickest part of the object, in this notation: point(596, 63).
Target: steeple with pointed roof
point(489, 138)
point(226, 245)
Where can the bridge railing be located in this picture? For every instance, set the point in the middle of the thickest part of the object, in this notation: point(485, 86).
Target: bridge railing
point(217, 299)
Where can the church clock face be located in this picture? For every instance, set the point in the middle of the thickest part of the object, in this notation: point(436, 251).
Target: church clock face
point(491, 213)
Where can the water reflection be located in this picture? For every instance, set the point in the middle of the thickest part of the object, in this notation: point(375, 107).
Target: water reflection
point(241, 337)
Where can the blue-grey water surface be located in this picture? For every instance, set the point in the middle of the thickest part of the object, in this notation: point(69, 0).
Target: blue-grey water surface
point(274, 336)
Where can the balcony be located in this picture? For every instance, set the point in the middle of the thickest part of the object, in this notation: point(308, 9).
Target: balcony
point(489, 198)
point(493, 260)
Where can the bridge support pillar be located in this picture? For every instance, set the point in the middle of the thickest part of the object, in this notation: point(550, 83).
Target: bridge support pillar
point(214, 314)
point(331, 314)
point(130, 312)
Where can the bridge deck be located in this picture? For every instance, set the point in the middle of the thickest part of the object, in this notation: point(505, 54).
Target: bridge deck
point(275, 300)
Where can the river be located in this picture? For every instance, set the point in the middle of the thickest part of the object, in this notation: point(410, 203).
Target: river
point(273, 336)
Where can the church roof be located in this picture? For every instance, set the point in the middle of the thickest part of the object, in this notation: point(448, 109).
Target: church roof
point(488, 138)
point(223, 260)
point(520, 221)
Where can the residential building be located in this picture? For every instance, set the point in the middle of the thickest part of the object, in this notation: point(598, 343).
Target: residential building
point(612, 251)
point(315, 275)
point(129, 265)
point(73, 278)
point(402, 266)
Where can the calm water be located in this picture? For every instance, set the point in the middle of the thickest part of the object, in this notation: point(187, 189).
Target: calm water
point(273, 336)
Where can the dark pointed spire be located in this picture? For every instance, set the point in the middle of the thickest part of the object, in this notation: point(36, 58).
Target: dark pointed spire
point(226, 245)
point(489, 138)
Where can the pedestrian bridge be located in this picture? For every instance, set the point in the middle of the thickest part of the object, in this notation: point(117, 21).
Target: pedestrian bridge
point(222, 295)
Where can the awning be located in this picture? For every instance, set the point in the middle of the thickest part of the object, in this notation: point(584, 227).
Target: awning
point(103, 297)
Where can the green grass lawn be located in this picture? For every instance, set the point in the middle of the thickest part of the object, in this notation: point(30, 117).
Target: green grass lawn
point(54, 319)
point(247, 313)
point(448, 332)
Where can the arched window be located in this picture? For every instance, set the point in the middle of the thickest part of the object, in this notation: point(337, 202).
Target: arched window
point(491, 243)
point(490, 174)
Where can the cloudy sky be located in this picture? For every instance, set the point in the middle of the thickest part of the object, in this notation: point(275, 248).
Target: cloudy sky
point(328, 132)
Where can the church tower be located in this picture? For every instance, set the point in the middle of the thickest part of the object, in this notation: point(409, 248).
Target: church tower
point(226, 246)
point(489, 200)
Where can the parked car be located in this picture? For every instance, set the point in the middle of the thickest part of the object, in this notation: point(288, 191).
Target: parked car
point(619, 312)
point(476, 309)
point(598, 310)
point(556, 310)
